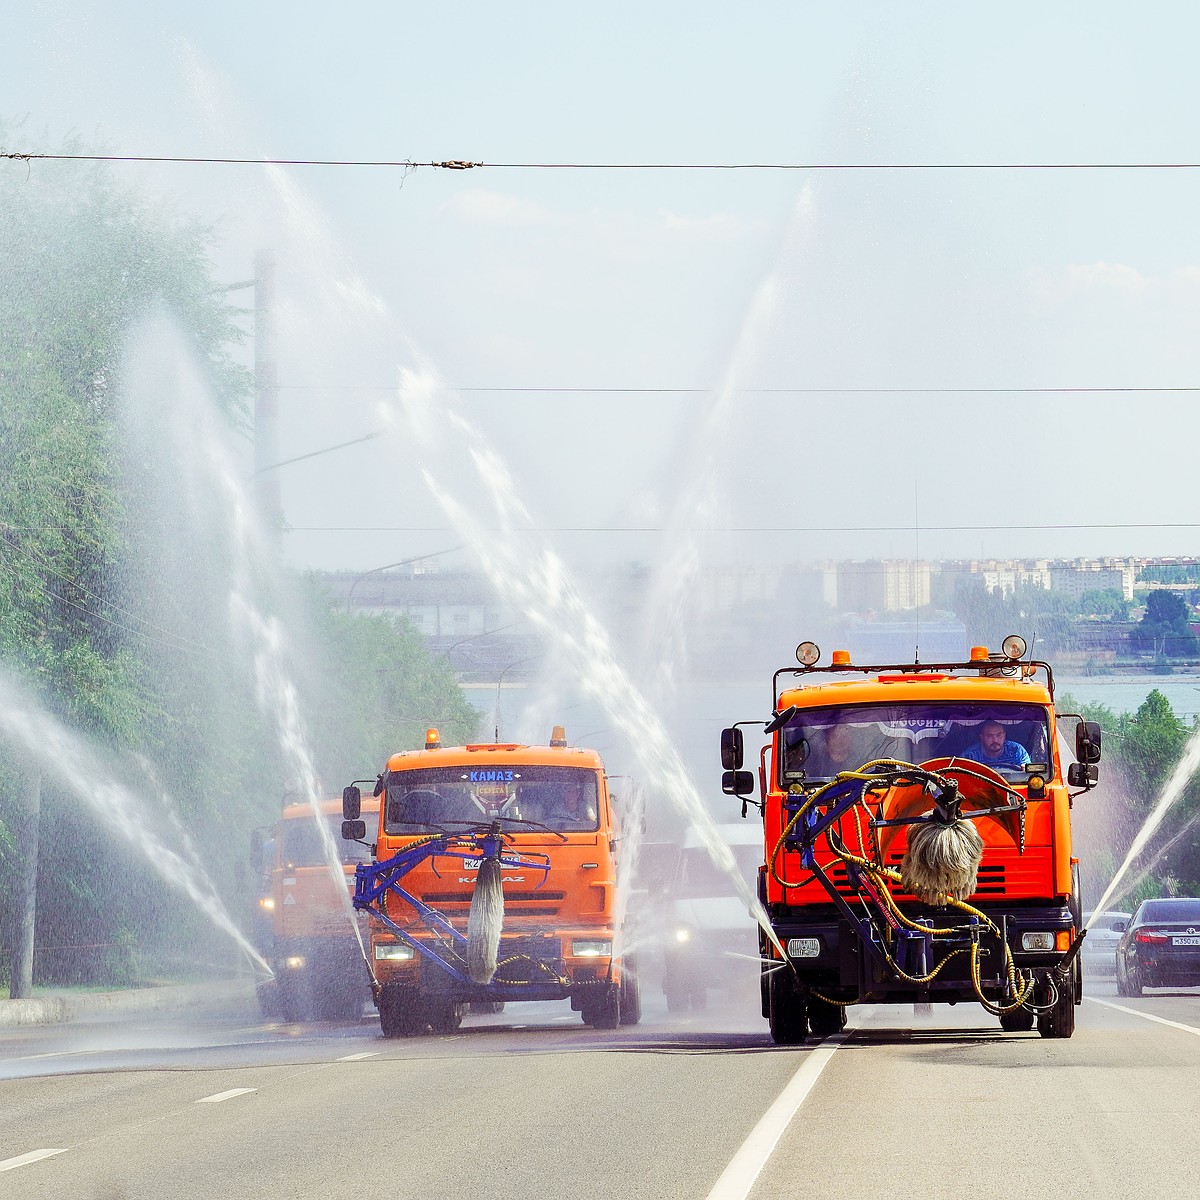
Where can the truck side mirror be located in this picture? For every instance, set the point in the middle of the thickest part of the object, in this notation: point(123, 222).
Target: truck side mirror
point(257, 838)
point(731, 749)
point(354, 831)
point(737, 783)
point(1087, 742)
point(1083, 775)
point(351, 803)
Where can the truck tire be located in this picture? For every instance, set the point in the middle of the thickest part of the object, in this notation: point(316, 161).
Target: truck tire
point(677, 986)
point(1020, 1020)
point(631, 995)
point(1058, 1021)
point(401, 1011)
point(603, 1011)
point(788, 1017)
point(825, 1019)
point(444, 1016)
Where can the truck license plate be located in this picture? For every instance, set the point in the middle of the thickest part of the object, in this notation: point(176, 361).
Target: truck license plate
point(803, 947)
point(1185, 941)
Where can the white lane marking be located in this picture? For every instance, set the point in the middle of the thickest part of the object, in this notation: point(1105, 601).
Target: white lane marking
point(572, 1017)
point(739, 1177)
point(229, 1095)
point(1133, 1012)
point(33, 1156)
point(358, 1057)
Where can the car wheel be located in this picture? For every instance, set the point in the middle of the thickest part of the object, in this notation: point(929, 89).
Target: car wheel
point(1133, 982)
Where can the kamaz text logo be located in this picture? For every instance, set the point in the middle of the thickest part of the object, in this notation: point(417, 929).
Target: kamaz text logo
point(499, 775)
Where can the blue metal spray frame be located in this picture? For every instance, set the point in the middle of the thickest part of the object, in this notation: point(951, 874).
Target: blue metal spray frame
point(914, 949)
point(448, 947)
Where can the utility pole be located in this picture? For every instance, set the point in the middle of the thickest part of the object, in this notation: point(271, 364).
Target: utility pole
point(266, 399)
point(29, 805)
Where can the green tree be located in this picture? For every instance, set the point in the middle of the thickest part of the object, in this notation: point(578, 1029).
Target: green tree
point(1105, 603)
point(1164, 629)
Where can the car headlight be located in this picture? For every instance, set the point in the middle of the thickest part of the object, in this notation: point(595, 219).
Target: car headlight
point(393, 952)
point(591, 948)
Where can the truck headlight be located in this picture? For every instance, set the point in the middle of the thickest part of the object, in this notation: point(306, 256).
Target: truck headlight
point(591, 948)
point(682, 935)
point(266, 903)
point(294, 962)
point(1037, 941)
point(393, 952)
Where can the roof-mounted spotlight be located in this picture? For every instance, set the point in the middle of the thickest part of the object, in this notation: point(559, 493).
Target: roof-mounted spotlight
point(1013, 646)
point(808, 654)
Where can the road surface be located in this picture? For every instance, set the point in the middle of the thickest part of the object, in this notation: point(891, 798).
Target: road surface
point(531, 1103)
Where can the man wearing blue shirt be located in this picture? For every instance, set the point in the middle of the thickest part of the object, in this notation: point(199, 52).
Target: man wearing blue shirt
point(994, 749)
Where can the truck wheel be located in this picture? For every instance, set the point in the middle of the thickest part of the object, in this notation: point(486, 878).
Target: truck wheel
point(444, 1015)
point(1058, 1021)
point(825, 1019)
point(1020, 1020)
point(698, 994)
point(631, 995)
point(401, 1011)
point(604, 1011)
point(268, 1001)
point(677, 987)
point(788, 1016)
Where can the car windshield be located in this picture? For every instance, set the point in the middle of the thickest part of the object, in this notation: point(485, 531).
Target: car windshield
point(699, 876)
point(818, 743)
point(303, 845)
point(562, 798)
point(1156, 912)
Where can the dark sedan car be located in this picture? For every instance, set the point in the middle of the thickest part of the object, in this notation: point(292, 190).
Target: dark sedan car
point(1161, 946)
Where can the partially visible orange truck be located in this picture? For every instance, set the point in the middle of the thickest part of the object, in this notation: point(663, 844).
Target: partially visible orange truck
point(307, 926)
point(917, 839)
point(494, 878)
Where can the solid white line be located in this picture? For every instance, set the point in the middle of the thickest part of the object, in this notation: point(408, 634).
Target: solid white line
point(738, 1178)
point(1133, 1012)
point(358, 1057)
point(229, 1095)
point(33, 1156)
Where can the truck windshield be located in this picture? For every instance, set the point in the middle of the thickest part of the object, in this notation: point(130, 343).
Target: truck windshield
point(699, 876)
point(303, 845)
point(818, 743)
point(563, 798)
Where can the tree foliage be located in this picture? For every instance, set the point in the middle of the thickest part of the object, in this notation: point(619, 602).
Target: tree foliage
point(115, 596)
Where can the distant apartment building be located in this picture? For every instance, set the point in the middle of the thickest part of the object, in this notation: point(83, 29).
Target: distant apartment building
point(883, 585)
point(1073, 577)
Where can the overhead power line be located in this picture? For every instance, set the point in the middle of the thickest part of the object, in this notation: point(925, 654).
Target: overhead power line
point(408, 164)
point(794, 391)
point(758, 528)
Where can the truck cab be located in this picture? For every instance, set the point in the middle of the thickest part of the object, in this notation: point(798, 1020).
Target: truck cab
point(310, 925)
point(865, 768)
point(545, 817)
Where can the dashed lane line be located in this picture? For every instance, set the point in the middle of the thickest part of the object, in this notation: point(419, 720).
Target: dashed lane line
point(744, 1168)
point(359, 1057)
point(218, 1097)
point(23, 1160)
point(1134, 1012)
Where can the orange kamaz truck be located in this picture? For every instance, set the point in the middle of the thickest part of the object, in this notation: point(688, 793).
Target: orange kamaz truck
point(494, 878)
point(307, 924)
point(917, 839)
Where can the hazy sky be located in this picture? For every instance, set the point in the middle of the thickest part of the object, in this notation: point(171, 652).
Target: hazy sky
point(773, 294)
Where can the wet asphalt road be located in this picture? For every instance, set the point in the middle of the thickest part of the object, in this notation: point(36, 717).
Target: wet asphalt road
point(531, 1103)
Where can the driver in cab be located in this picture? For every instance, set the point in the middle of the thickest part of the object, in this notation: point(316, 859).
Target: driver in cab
point(994, 748)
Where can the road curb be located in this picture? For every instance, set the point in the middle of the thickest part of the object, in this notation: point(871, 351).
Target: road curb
point(63, 1007)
